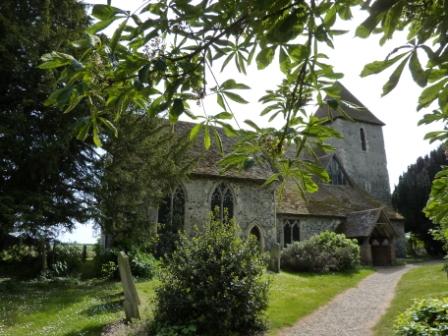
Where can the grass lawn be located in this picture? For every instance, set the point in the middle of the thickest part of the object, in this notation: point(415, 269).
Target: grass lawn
point(422, 282)
point(84, 308)
point(293, 296)
point(63, 308)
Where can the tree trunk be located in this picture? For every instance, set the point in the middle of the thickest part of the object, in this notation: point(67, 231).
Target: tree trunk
point(44, 255)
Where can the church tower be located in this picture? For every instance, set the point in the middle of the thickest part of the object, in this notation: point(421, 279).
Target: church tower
point(361, 150)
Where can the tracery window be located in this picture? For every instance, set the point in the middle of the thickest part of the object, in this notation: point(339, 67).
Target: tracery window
point(222, 202)
point(291, 231)
point(363, 139)
point(337, 176)
point(172, 211)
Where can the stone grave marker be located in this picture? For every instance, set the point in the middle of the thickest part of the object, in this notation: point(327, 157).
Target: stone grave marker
point(131, 299)
point(275, 258)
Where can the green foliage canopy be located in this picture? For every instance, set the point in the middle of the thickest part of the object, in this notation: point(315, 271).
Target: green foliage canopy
point(137, 170)
point(157, 57)
point(45, 174)
point(411, 195)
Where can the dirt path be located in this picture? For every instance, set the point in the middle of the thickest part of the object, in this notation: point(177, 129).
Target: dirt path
point(355, 311)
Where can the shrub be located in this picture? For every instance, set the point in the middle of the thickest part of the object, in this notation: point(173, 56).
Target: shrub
point(143, 265)
point(66, 260)
point(109, 270)
point(106, 265)
point(426, 317)
point(212, 284)
point(323, 253)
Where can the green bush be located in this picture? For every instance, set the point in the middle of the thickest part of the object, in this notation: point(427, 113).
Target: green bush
point(109, 270)
point(67, 260)
point(323, 253)
point(212, 284)
point(106, 265)
point(143, 265)
point(427, 317)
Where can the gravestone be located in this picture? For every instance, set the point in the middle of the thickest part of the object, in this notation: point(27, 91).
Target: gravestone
point(131, 299)
point(275, 258)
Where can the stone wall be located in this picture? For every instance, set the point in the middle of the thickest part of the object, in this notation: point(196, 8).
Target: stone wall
point(368, 169)
point(253, 205)
point(400, 242)
point(309, 226)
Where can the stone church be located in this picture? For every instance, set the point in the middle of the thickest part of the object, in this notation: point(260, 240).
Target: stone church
point(356, 202)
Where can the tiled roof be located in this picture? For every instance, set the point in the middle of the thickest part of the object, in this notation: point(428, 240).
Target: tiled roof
point(358, 112)
point(329, 200)
point(363, 223)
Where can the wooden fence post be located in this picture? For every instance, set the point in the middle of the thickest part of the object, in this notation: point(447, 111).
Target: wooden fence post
point(131, 299)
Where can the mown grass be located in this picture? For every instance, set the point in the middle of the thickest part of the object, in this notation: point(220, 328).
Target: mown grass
point(292, 296)
point(419, 283)
point(84, 308)
point(63, 308)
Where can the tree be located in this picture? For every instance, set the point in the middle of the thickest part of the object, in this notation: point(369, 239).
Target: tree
point(45, 174)
point(411, 195)
point(137, 170)
point(158, 61)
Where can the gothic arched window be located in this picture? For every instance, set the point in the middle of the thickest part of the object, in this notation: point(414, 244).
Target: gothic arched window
point(291, 231)
point(222, 202)
point(172, 211)
point(363, 139)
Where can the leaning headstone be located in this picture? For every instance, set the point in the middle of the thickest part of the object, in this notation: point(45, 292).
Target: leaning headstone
point(131, 299)
point(275, 258)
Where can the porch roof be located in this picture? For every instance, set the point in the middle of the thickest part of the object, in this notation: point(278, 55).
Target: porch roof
point(364, 223)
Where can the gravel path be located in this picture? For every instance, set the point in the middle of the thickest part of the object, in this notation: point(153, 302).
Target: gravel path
point(355, 311)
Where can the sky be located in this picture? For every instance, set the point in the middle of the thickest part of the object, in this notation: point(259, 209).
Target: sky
point(403, 139)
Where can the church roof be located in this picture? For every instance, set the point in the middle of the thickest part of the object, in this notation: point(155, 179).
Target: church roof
point(363, 223)
point(329, 200)
point(354, 110)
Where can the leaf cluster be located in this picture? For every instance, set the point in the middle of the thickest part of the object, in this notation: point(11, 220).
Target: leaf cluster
point(158, 57)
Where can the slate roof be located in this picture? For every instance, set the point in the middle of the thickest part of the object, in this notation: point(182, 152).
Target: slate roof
point(329, 200)
point(358, 113)
point(363, 223)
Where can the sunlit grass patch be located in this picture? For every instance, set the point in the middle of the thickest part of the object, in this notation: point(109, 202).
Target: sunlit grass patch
point(423, 282)
point(63, 308)
point(292, 296)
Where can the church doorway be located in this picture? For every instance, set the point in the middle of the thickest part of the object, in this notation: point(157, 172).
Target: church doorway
point(381, 252)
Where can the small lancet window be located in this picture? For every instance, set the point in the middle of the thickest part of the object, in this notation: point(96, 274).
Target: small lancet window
point(222, 202)
point(337, 176)
point(363, 139)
